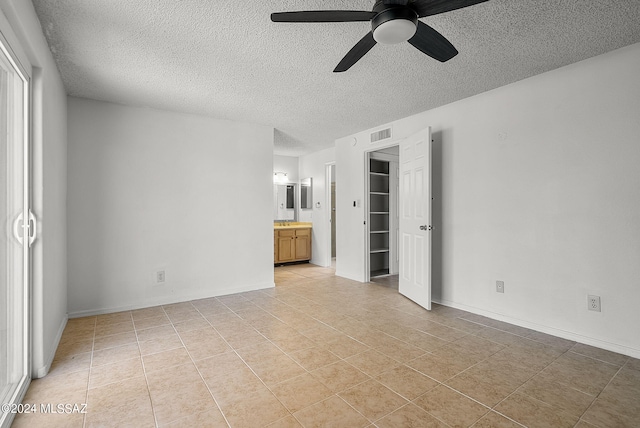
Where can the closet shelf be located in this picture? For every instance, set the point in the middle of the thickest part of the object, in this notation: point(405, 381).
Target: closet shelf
point(380, 272)
point(381, 191)
point(379, 250)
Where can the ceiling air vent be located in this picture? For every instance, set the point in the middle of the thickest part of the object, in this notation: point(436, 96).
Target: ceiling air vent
point(383, 134)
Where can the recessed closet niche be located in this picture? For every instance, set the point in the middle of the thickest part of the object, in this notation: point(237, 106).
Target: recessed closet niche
point(383, 212)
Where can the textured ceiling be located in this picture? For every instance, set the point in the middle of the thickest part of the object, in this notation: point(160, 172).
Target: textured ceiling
point(226, 59)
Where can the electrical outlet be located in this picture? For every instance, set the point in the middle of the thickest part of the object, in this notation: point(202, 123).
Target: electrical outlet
point(593, 303)
point(160, 276)
point(500, 286)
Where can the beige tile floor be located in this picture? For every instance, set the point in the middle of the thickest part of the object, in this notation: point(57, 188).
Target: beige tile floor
point(320, 350)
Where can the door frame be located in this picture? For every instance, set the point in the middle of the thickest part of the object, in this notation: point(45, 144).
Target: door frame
point(12, 50)
point(327, 194)
point(366, 157)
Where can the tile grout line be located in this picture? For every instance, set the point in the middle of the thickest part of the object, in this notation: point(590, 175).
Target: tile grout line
point(144, 371)
point(598, 396)
point(344, 359)
point(238, 355)
point(504, 346)
point(193, 361)
point(375, 349)
point(249, 367)
point(531, 397)
point(597, 359)
point(93, 344)
point(306, 371)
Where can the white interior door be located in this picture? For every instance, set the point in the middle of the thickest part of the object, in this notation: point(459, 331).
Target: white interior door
point(415, 218)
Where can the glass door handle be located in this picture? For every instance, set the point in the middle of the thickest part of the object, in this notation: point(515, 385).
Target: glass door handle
point(17, 226)
point(33, 226)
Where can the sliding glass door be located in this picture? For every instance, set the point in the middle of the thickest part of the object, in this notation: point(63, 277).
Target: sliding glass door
point(15, 232)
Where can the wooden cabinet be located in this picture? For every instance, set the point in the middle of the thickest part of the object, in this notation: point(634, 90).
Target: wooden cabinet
point(275, 245)
point(286, 246)
point(292, 245)
point(303, 244)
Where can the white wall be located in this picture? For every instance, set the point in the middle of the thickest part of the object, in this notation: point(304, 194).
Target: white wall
point(49, 192)
point(350, 217)
point(151, 190)
point(288, 164)
point(536, 184)
point(314, 165)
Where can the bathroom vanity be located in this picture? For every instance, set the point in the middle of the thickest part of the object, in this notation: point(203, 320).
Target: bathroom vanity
point(291, 242)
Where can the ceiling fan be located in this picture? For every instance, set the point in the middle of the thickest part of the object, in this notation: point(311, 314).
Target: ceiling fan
point(392, 21)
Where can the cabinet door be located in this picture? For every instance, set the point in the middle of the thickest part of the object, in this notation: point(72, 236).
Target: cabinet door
point(275, 246)
point(286, 246)
point(303, 244)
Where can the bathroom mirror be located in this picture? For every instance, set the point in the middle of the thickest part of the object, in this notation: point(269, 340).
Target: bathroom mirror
point(284, 202)
point(306, 197)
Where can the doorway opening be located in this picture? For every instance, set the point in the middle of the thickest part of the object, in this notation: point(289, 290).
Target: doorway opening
point(330, 180)
point(382, 215)
point(398, 215)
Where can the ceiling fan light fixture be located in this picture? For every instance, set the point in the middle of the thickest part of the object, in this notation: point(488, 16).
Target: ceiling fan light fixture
point(394, 25)
point(394, 31)
point(392, 22)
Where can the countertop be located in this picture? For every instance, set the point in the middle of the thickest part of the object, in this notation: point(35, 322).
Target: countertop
point(282, 225)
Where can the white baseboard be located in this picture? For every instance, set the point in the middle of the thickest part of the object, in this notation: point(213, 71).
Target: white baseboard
point(171, 300)
point(40, 372)
point(613, 347)
point(348, 275)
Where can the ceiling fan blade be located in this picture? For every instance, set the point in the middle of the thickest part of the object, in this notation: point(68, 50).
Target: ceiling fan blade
point(400, 2)
point(358, 51)
point(432, 43)
point(434, 7)
point(323, 16)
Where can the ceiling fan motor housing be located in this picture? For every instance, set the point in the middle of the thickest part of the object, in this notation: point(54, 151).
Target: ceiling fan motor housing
point(393, 24)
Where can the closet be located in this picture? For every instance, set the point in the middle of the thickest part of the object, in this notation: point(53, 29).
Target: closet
point(383, 212)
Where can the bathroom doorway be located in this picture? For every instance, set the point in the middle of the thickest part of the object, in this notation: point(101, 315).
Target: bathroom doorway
point(330, 177)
